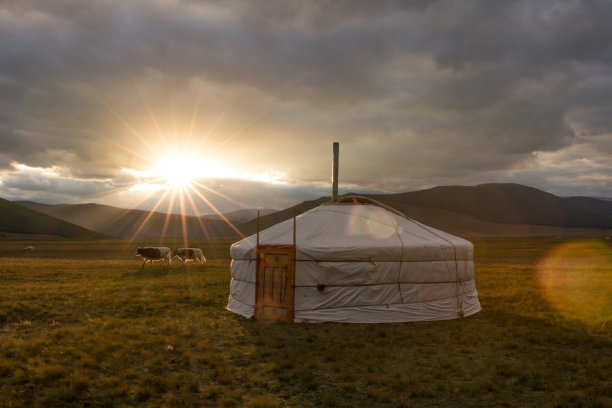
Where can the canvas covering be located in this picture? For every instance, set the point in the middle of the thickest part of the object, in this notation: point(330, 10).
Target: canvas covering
point(374, 266)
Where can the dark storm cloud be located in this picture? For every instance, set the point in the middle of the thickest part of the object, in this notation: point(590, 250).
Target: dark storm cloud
point(419, 93)
point(5, 163)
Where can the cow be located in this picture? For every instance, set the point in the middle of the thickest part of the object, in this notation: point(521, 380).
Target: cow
point(189, 253)
point(154, 254)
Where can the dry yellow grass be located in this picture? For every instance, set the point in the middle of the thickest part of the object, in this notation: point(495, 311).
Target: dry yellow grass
point(84, 325)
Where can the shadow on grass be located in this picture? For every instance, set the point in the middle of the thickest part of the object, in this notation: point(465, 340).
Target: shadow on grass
point(497, 357)
point(519, 351)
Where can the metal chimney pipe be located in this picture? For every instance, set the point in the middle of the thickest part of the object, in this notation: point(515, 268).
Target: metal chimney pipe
point(335, 172)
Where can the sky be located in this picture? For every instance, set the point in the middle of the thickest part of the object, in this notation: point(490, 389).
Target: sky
point(190, 106)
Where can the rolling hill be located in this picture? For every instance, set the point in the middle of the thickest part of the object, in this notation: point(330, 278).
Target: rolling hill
point(484, 210)
point(505, 204)
point(600, 206)
point(17, 219)
point(240, 216)
point(266, 221)
point(126, 223)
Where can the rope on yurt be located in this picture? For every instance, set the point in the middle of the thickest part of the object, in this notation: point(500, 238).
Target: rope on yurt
point(399, 272)
point(369, 201)
point(457, 282)
point(366, 200)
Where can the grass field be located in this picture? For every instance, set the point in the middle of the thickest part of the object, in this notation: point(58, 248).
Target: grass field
point(81, 324)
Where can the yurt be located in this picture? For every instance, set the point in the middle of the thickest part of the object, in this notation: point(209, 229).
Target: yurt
point(352, 260)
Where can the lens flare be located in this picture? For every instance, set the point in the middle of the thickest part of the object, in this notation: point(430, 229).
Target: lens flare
point(371, 220)
point(576, 278)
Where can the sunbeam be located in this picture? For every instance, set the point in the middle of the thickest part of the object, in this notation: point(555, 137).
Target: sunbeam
point(168, 215)
point(194, 115)
point(212, 127)
point(183, 220)
point(219, 194)
point(127, 149)
point(239, 132)
point(131, 129)
point(175, 172)
point(153, 120)
point(193, 206)
point(144, 222)
point(223, 217)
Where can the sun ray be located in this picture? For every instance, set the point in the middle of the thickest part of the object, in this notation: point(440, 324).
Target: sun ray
point(183, 217)
point(211, 205)
point(194, 115)
point(124, 188)
point(220, 195)
point(168, 215)
point(155, 123)
point(127, 149)
point(125, 211)
point(144, 222)
point(131, 129)
point(133, 207)
point(195, 210)
point(212, 127)
point(239, 132)
point(149, 111)
point(173, 119)
point(149, 215)
point(110, 191)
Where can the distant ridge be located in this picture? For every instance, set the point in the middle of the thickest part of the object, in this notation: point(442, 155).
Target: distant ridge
point(484, 210)
point(240, 216)
point(128, 223)
point(16, 219)
point(506, 204)
point(601, 206)
point(269, 220)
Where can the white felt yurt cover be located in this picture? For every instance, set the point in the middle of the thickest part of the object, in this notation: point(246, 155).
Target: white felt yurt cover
point(373, 264)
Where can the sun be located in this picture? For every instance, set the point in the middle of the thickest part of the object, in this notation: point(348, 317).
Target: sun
point(180, 171)
point(186, 171)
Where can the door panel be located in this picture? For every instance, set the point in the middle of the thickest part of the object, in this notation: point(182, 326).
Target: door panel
point(275, 283)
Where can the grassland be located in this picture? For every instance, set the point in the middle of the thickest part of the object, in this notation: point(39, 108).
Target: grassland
point(81, 324)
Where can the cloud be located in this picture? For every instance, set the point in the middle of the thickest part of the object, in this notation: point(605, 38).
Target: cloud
point(48, 185)
point(419, 94)
point(5, 162)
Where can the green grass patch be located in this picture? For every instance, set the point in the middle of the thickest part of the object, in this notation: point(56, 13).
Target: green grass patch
point(82, 324)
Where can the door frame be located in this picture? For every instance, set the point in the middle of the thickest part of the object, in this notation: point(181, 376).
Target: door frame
point(260, 302)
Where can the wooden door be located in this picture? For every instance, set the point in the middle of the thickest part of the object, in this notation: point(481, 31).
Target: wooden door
point(275, 283)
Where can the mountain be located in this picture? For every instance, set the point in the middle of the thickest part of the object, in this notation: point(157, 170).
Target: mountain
point(127, 223)
point(483, 210)
point(240, 216)
point(503, 203)
point(17, 219)
point(269, 220)
point(601, 206)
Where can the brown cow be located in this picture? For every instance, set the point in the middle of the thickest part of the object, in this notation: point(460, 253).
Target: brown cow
point(154, 254)
point(189, 253)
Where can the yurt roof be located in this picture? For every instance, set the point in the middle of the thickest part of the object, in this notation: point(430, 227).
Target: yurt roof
point(358, 229)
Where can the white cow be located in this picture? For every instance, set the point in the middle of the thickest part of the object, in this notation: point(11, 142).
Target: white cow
point(189, 253)
point(155, 254)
